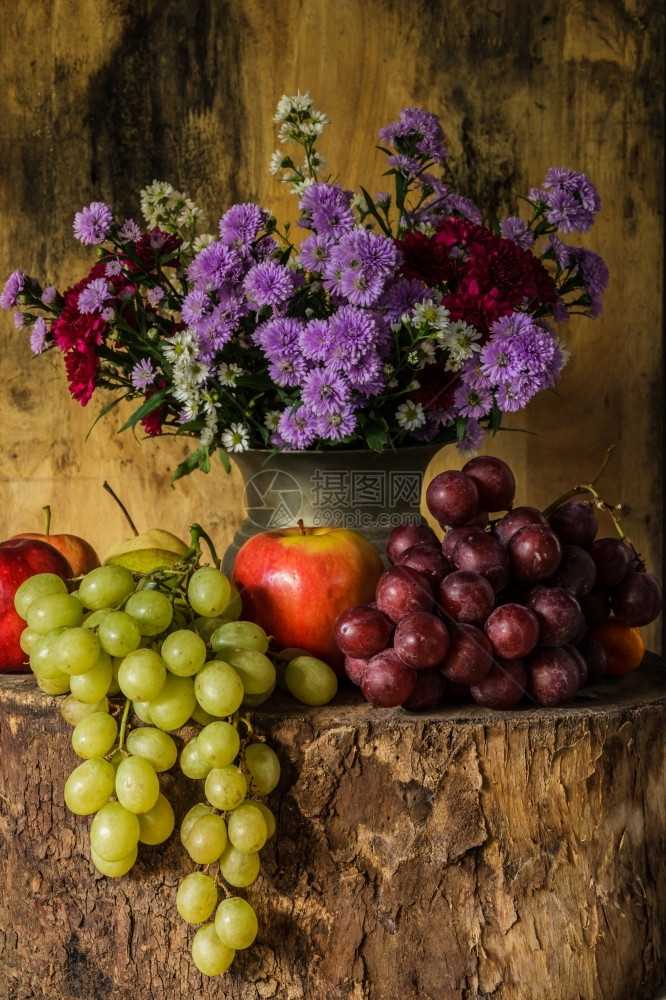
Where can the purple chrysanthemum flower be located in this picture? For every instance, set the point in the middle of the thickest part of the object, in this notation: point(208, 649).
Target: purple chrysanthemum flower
point(352, 335)
point(278, 337)
point(458, 204)
point(406, 164)
point(566, 212)
point(94, 296)
point(13, 288)
point(576, 182)
point(38, 335)
point(359, 287)
point(337, 424)
point(326, 208)
point(494, 362)
point(472, 437)
point(143, 374)
point(472, 402)
point(401, 296)
point(18, 321)
point(288, 369)
point(155, 295)
point(129, 232)
point(113, 268)
point(314, 339)
point(93, 224)
point(196, 307)
point(49, 294)
point(216, 265)
point(241, 224)
point(366, 374)
point(419, 128)
point(269, 283)
point(324, 391)
point(297, 428)
point(514, 228)
point(595, 276)
point(315, 252)
point(513, 396)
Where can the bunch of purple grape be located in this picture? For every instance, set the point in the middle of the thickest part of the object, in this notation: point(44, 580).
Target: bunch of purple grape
point(499, 609)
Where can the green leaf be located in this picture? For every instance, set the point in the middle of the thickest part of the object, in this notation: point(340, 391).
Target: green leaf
point(495, 418)
point(377, 439)
point(105, 410)
point(146, 407)
point(224, 459)
point(461, 423)
point(199, 459)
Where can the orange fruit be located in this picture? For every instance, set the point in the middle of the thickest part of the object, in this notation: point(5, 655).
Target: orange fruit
point(623, 644)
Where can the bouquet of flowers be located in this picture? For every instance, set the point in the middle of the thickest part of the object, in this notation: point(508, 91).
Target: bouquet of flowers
point(396, 319)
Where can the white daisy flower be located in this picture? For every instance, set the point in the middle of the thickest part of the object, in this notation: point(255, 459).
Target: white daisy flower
point(184, 344)
point(460, 340)
point(236, 438)
point(272, 419)
point(430, 313)
point(228, 374)
point(410, 415)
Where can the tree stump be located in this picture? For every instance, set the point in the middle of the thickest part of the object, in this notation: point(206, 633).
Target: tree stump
point(461, 853)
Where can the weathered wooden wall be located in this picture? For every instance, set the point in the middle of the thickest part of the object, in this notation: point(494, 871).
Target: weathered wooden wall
point(99, 97)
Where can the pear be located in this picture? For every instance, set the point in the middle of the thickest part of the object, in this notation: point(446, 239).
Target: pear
point(155, 541)
point(144, 560)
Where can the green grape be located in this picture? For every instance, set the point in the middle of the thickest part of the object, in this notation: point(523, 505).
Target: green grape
point(236, 923)
point(310, 680)
point(137, 784)
point(206, 839)
point(191, 763)
point(93, 685)
point(94, 735)
point(89, 786)
point(208, 591)
point(142, 711)
point(201, 716)
point(54, 611)
point(210, 956)
point(173, 706)
point(114, 832)
point(43, 660)
point(92, 619)
point(152, 611)
point(53, 685)
point(225, 787)
point(142, 675)
point(156, 825)
point(282, 659)
point(218, 688)
point(76, 650)
point(263, 767)
point(269, 818)
point(190, 818)
point(184, 652)
point(218, 743)
point(254, 669)
point(196, 898)
point(27, 640)
point(73, 709)
point(247, 828)
point(154, 745)
point(204, 627)
point(113, 869)
point(233, 634)
point(118, 633)
point(234, 608)
point(238, 869)
point(106, 587)
point(253, 700)
point(36, 586)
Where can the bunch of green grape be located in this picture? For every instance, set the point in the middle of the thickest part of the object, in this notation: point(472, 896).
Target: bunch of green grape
point(138, 657)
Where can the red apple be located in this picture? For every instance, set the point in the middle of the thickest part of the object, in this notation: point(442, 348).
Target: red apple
point(19, 559)
point(79, 553)
point(294, 582)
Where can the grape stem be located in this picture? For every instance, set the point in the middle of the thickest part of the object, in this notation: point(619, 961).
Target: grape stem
point(196, 533)
point(123, 724)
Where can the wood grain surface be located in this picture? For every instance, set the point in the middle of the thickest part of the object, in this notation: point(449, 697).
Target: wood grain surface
point(99, 97)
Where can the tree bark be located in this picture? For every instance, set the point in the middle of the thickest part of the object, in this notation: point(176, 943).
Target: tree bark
point(461, 853)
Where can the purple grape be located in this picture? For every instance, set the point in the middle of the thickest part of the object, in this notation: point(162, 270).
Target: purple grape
point(404, 536)
point(503, 686)
point(453, 536)
point(494, 481)
point(517, 518)
point(534, 552)
point(421, 640)
point(482, 554)
point(401, 590)
point(581, 662)
point(558, 614)
point(575, 523)
point(362, 631)
point(470, 655)
point(466, 597)
point(426, 559)
point(596, 606)
point(595, 657)
point(613, 559)
point(637, 600)
point(386, 680)
point(354, 668)
point(513, 631)
point(427, 692)
point(553, 676)
point(577, 571)
point(452, 498)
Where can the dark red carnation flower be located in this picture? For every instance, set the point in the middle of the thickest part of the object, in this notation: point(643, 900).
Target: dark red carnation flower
point(152, 422)
point(73, 329)
point(81, 365)
point(148, 254)
point(424, 259)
